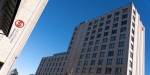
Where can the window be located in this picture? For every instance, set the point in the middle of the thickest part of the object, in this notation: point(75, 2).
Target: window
point(77, 70)
point(97, 42)
point(95, 48)
point(100, 61)
point(121, 44)
point(94, 27)
point(103, 47)
point(132, 39)
point(125, 10)
point(114, 31)
point(94, 55)
point(120, 52)
point(130, 72)
point(90, 70)
point(110, 53)
point(105, 40)
point(64, 63)
point(83, 70)
point(102, 54)
point(79, 63)
point(115, 25)
point(57, 69)
point(91, 43)
point(134, 12)
point(62, 69)
point(124, 16)
point(131, 64)
point(92, 37)
point(56, 64)
point(123, 29)
point(98, 35)
point(99, 70)
point(105, 33)
point(101, 24)
point(119, 61)
point(133, 31)
point(107, 28)
point(84, 44)
point(108, 22)
point(133, 24)
point(131, 55)
point(88, 33)
point(85, 63)
point(124, 22)
point(60, 63)
point(118, 70)
point(116, 19)
point(113, 38)
point(117, 13)
point(8, 12)
point(122, 36)
point(92, 62)
point(1, 64)
point(109, 16)
point(108, 70)
point(109, 61)
point(133, 18)
point(89, 49)
point(94, 31)
point(81, 56)
point(87, 56)
point(100, 29)
point(50, 69)
point(132, 47)
point(111, 45)
point(53, 69)
point(90, 23)
point(86, 39)
point(89, 28)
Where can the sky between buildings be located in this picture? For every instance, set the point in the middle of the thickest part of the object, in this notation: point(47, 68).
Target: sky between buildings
point(54, 29)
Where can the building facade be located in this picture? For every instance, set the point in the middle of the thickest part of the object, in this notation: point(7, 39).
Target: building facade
point(17, 20)
point(14, 72)
point(53, 65)
point(111, 44)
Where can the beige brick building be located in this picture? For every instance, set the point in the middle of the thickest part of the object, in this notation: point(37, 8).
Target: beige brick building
point(111, 44)
point(53, 65)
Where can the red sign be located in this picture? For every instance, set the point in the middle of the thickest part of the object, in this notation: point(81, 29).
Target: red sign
point(19, 23)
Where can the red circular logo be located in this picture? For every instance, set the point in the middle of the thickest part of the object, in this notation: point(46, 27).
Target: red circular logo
point(19, 23)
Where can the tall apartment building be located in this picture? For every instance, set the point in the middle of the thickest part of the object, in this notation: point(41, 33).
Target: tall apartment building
point(17, 20)
point(111, 44)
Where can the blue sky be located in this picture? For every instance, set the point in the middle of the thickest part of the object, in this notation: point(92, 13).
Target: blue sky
point(54, 29)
